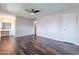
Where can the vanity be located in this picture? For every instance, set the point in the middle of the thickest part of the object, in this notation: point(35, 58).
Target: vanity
point(4, 32)
point(5, 29)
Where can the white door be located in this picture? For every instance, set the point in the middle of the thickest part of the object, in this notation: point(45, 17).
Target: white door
point(69, 30)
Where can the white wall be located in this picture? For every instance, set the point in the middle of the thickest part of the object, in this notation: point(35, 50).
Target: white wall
point(51, 25)
point(23, 26)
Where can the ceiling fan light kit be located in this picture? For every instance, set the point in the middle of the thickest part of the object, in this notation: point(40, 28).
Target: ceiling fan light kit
point(32, 13)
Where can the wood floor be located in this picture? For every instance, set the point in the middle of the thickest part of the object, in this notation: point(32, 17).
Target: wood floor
point(30, 45)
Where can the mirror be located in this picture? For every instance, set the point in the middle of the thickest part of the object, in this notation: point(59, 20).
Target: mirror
point(6, 25)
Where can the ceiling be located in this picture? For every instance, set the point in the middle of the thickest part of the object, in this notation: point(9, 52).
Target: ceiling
point(18, 9)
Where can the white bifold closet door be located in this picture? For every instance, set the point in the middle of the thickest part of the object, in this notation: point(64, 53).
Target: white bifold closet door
point(69, 28)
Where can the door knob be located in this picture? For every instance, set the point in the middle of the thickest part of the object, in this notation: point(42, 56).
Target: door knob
point(64, 29)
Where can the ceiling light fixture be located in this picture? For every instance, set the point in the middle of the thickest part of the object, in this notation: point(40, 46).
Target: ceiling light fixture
point(32, 13)
point(35, 21)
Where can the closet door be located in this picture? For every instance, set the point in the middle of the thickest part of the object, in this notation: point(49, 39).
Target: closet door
point(69, 30)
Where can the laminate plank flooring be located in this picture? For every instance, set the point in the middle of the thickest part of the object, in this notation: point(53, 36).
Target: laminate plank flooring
point(30, 45)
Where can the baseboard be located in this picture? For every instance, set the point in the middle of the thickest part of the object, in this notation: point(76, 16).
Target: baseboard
point(59, 40)
point(50, 39)
point(23, 36)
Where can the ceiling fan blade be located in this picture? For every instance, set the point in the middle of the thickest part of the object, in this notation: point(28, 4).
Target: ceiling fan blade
point(35, 11)
point(28, 10)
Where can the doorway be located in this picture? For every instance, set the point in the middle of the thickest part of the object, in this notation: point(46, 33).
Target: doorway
point(69, 30)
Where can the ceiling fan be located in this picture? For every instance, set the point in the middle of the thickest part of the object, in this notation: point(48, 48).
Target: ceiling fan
point(32, 10)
